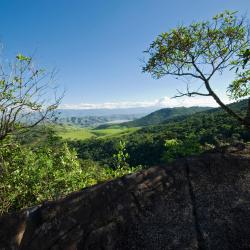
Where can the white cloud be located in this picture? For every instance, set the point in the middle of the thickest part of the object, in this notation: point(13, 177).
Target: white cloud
point(161, 102)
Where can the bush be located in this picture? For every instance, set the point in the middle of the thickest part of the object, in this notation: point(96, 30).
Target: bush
point(121, 157)
point(180, 148)
point(29, 177)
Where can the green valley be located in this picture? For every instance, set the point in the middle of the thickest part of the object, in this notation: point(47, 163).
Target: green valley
point(78, 133)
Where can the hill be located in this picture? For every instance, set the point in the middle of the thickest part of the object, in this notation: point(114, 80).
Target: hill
point(239, 107)
point(146, 145)
point(163, 115)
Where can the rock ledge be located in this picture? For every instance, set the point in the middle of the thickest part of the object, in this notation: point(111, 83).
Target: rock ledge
point(195, 203)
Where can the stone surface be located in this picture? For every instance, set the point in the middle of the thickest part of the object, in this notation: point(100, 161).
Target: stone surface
point(195, 203)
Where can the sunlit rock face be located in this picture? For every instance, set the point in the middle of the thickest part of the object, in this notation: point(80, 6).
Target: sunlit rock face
point(195, 203)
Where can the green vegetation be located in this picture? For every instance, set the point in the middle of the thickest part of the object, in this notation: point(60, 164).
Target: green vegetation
point(162, 115)
point(202, 50)
point(77, 133)
point(74, 133)
point(49, 161)
point(146, 145)
point(31, 175)
point(39, 166)
point(22, 101)
point(121, 158)
point(113, 132)
point(176, 148)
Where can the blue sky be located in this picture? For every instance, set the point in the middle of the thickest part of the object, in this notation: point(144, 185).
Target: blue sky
point(96, 45)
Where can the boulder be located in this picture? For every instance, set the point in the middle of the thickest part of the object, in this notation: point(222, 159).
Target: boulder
point(199, 202)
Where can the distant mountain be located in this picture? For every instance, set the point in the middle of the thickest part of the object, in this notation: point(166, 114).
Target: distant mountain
point(164, 115)
point(93, 121)
point(97, 117)
point(106, 112)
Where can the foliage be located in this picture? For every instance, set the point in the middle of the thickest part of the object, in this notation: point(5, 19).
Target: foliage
point(29, 177)
point(240, 87)
point(146, 145)
point(120, 165)
point(25, 96)
point(73, 133)
point(38, 166)
point(118, 172)
point(200, 51)
point(77, 133)
point(177, 148)
point(121, 157)
point(162, 115)
point(33, 173)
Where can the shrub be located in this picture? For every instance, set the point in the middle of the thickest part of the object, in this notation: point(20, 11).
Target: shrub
point(29, 177)
point(180, 148)
point(121, 157)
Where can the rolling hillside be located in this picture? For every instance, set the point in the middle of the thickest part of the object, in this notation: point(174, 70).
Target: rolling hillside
point(163, 115)
point(145, 146)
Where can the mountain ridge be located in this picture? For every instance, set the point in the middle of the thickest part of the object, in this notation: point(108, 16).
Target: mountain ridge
point(164, 114)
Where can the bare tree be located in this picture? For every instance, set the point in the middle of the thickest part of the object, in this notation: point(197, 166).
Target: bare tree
point(200, 51)
point(26, 96)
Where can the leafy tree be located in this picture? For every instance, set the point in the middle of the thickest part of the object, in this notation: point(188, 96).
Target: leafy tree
point(25, 96)
point(200, 51)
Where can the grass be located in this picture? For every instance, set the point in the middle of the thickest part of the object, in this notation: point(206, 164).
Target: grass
point(76, 133)
point(73, 133)
point(112, 131)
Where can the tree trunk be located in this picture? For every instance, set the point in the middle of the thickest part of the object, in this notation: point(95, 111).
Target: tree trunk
point(245, 121)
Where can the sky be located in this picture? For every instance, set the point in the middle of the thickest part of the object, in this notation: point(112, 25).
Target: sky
point(97, 46)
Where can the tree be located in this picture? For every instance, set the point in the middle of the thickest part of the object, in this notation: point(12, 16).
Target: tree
point(200, 51)
point(25, 96)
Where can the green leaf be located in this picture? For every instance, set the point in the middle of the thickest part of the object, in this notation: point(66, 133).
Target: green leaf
point(21, 57)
